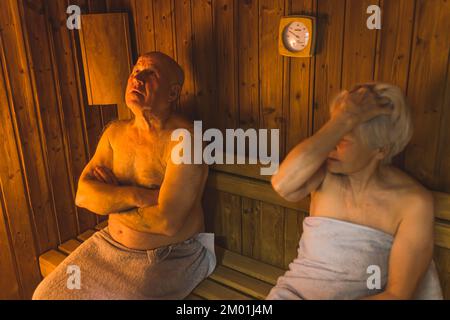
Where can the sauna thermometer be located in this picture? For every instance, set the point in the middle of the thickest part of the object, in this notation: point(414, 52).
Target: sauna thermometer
point(297, 36)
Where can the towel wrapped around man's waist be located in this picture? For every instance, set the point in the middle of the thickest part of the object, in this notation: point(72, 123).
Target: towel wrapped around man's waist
point(335, 260)
point(109, 270)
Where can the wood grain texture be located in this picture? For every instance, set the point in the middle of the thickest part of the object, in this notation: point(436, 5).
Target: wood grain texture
point(426, 88)
point(234, 77)
point(328, 68)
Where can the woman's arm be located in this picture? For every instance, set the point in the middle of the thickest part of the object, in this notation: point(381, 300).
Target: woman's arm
point(412, 249)
point(302, 171)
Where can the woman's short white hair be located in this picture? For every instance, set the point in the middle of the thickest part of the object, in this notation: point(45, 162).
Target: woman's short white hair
point(392, 132)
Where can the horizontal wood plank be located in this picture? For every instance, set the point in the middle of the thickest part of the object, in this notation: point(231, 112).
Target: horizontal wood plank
point(253, 189)
point(101, 225)
point(86, 235)
point(248, 266)
point(263, 191)
point(212, 290)
point(69, 246)
point(243, 283)
point(49, 261)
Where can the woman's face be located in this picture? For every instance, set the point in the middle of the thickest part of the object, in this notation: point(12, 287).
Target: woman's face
point(350, 155)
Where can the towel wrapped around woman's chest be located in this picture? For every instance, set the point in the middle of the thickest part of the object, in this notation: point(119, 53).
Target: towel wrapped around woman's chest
point(339, 260)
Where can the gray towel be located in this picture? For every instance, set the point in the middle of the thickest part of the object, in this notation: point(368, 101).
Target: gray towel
point(109, 270)
point(332, 262)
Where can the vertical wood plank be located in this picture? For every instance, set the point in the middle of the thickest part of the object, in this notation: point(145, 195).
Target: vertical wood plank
point(251, 228)
point(107, 113)
point(70, 94)
point(16, 199)
point(128, 6)
point(394, 47)
point(91, 118)
point(271, 67)
point(9, 286)
point(272, 234)
point(248, 64)
point(10, 170)
point(443, 158)
point(393, 56)
point(163, 21)
point(300, 80)
point(359, 44)
point(183, 31)
point(426, 88)
point(145, 28)
point(205, 62)
point(293, 229)
point(49, 112)
point(210, 208)
point(328, 69)
point(230, 207)
point(28, 126)
point(224, 19)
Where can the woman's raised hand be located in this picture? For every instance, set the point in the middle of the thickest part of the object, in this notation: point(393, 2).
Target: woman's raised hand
point(361, 105)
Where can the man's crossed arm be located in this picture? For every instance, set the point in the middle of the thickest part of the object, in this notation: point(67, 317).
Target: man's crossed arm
point(99, 190)
point(156, 211)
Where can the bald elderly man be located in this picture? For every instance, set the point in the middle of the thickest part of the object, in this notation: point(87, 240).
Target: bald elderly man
point(154, 246)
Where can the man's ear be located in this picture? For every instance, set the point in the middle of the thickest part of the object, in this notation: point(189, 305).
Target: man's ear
point(174, 92)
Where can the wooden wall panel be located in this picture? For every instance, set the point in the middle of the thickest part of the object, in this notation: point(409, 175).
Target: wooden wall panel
point(71, 101)
point(248, 62)
point(50, 114)
point(164, 25)
point(271, 67)
point(29, 128)
point(234, 77)
point(358, 61)
point(9, 286)
point(184, 43)
point(204, 59)
point(145, 28)
point(293, 229)
point(251, 228)
point(299, 87)
point(18, 216)
point(328, 68)
point(394, 42)
point(226, 53)
point(426, 88)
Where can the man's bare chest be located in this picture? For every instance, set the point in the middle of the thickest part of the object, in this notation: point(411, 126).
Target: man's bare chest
point(139, 164)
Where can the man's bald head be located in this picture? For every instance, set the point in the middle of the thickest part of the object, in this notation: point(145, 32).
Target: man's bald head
point(173, 69)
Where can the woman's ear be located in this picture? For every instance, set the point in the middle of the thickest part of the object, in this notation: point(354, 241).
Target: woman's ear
point(382, 153)
point(174, 92)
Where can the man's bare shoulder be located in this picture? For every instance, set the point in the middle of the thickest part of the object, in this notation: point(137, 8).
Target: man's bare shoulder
point(116, 126)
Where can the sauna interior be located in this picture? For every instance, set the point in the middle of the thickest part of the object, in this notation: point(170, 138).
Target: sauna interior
point(57, 96)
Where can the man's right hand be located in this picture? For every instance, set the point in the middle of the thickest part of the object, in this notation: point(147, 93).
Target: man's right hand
point(144, 197)
point(141, 196)
point(105, 175)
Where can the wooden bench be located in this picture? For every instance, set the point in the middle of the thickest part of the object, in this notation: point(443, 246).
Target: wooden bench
point(236, 277)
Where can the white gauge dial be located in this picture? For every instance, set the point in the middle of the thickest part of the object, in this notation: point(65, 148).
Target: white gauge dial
point(296, 36)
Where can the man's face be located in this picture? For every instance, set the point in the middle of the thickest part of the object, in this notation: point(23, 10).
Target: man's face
point(148, 87)
point(350, 155)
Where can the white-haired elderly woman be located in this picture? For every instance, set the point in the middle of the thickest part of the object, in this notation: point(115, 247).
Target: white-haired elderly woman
point(370, 229)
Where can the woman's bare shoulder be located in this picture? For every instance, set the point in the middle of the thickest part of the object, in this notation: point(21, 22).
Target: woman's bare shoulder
point(411, 195)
